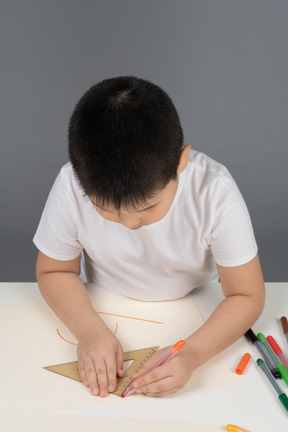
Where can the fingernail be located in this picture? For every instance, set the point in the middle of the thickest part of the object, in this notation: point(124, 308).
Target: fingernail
point(95, 391)
point(135, 385)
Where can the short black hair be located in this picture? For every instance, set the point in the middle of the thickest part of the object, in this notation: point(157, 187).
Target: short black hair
point(125, 141)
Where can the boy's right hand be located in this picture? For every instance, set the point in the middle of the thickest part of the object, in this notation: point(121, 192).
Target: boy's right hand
point(100, 360)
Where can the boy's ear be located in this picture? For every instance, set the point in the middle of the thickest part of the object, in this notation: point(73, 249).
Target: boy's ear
point(184, 158)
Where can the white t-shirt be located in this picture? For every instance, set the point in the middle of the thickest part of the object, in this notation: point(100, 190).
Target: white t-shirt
point(208, 222)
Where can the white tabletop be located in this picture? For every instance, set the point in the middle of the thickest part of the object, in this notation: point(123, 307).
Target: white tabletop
point(253, 401)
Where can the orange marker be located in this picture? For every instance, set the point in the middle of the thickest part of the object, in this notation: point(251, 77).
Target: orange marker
point(233, 428)
point(243, 363)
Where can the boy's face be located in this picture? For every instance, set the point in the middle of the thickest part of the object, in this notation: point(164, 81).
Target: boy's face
point(153, 211)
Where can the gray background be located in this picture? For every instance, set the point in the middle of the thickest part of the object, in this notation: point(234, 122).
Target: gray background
point(223, 62)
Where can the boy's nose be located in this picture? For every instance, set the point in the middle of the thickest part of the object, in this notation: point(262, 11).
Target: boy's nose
point(129, 222)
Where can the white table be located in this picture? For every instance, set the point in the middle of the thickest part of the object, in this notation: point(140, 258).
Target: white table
point(252, 402)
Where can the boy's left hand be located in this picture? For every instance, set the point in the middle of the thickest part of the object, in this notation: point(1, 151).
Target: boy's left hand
point(165, 379)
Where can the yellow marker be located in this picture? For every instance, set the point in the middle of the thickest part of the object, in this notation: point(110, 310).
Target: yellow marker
point(233, 428)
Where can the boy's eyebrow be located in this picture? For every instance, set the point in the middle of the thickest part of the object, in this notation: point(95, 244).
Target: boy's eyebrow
point(136, 211)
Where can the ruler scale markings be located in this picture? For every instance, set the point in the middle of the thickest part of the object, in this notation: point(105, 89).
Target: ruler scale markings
point(139, 357)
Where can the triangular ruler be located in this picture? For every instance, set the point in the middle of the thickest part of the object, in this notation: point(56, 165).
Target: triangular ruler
point(139, 357)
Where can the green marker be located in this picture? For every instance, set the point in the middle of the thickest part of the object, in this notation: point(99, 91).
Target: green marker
point(281, 368)
point(282, 396)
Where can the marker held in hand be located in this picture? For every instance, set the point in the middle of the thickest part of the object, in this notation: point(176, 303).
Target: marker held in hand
point(163, 359)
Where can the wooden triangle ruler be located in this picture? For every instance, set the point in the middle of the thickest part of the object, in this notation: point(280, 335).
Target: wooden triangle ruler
point(139, 357)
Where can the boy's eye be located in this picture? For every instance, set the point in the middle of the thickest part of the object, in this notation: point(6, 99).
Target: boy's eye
point(149, 208)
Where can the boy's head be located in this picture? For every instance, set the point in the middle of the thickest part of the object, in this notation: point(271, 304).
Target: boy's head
point(125, 142)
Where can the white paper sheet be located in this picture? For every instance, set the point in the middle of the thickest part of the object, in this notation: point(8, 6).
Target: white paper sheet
point(29, 341)
point(47, 422)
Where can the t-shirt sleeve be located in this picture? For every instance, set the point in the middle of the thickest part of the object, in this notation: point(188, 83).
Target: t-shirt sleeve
point(56, 235)
point(232, 239)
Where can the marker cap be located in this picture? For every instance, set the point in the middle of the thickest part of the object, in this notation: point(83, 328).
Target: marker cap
point(234, 428)
point(251, 335)
point(283, 372)
point(284, 323)
point(274, 345)
point(284, 400)
point(243, 363)
point(179, 345)
point(261, 338)
point(260, 362)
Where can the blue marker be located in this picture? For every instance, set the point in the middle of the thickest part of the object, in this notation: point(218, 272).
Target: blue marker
point(282, 396)
point(251, 335)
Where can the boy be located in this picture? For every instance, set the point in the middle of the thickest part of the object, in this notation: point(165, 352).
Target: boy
point(154, 220)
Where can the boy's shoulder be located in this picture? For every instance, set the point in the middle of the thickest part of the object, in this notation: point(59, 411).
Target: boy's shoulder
point(210, 182)
point(66, 171)
point(67, 177)
point(67, 185)
point(205, 170)
point(202, 163)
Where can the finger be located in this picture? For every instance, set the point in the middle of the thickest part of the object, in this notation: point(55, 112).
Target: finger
point(111, 373)
point(159, 388)
point(81, 369)
point(154, 375)
point(164, 393)
point(91, 377)
point(102, 377)
point(119, 362)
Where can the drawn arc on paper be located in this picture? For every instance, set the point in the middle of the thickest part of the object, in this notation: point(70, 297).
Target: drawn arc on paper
point(122, 316)
point(73, 343)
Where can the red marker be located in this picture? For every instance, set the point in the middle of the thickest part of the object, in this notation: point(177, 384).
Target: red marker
point(277, 350)
point(165, 357)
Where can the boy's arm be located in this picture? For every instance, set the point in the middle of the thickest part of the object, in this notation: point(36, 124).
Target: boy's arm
point(100, 355)
point(244, 292)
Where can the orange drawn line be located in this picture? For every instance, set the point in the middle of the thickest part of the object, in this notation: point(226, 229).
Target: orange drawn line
point(65, 339)
point(124, 316)
point(116, 328)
